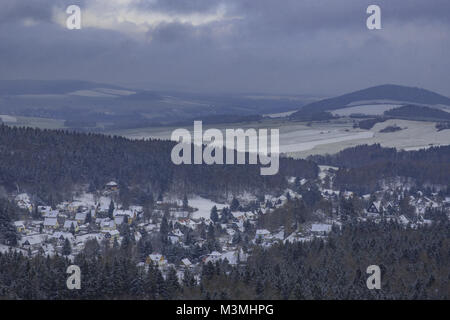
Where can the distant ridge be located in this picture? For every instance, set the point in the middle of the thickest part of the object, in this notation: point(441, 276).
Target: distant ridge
point(19, 87)
point(382, 92)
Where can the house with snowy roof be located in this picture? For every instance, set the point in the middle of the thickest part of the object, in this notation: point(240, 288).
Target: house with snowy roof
point(186, 263)
point(107, 224)
point(111, 235)
point(50, 213)
point(68, 225)
point(262, 234)
point(33, 241)
point(118, 220)
point(20, 226)
point(80, 217)
point(51, 223)
point(112, 186)
point(62, 236)
point(156, 258)
point(23, 201)
point(320, 228)
point(213, 257)
point(130, 215)
point(375, 208)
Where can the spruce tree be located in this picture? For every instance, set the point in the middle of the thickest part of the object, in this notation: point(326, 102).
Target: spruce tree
point(111, 210)
point(67, 248)
point(214, 216)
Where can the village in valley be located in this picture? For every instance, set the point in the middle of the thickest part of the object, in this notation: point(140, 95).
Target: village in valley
point(186, 233)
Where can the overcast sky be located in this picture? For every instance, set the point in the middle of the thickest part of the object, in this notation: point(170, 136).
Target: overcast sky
point(263, 46)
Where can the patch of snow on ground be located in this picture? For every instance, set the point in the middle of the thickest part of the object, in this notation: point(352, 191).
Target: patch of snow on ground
point(204, 207)
point(323, 171)
point(334, 138)
point(368, 109)
point(279, 115)
point(88, 200)
point(6, 118)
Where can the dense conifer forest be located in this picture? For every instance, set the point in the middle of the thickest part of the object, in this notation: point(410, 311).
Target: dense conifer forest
point(363, 167)
point(50, 163)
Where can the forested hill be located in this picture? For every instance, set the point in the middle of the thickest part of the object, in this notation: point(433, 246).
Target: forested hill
point(362, 167)
point(49, 163)
point(383, 92)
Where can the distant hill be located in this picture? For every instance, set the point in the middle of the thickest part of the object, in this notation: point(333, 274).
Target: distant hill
point(81, 104)
point(384, 92)
point(21, 87)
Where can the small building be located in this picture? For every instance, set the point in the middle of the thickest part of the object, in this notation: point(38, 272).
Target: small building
point(62, 236)
point(321, 228)
point(23, 201)
point(186, 263)
point(80, 217)
point(390, 209)
point(50, 213)
point(108, 224)
point(130, 215)
point(20, 226)
point(111, 235)
point(213, 257)
point(112, 186)
point(262, 234)
point(375, 208)
point(68, 225)
point(118, 220)
point(157, 259)
point(51, 223)
point(32, 242)
point(177, 233)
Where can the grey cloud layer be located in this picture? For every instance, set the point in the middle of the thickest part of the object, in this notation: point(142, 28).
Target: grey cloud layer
point(266, 46)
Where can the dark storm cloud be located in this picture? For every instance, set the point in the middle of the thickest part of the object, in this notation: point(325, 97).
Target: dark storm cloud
point(296, 46)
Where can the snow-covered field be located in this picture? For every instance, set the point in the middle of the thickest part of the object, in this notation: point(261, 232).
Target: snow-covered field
point(299, 140)
point(101, 93)
point(415, 135)
point(204, 207)
point(6, 118)
point(369, 109)
point(88, 199)
point(294, 137)
point(279, 115)
point(295, 141)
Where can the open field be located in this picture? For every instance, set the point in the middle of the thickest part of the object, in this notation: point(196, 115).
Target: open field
point(43, 123)
point(300, 140)
point(373, 110)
